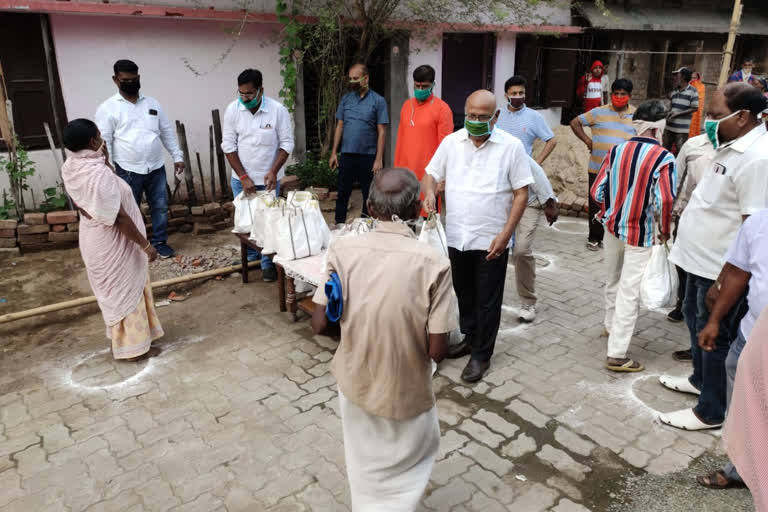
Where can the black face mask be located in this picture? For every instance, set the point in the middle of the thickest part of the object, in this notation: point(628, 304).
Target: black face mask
point(131, 88)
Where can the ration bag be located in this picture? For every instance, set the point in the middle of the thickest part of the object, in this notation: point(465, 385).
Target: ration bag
point(300, 232)
point(246, 208)
point(433, 234)
point(658, 287)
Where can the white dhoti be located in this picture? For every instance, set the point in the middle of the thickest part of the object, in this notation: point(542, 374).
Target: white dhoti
point(389, 461)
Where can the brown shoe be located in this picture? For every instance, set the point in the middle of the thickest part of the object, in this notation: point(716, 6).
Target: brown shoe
point(682, 355)
point(475, 370)
point(460, 350)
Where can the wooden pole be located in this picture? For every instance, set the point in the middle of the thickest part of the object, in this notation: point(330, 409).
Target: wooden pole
point(10, 317)
point(188, 176)
point(53, 92)
point(211, 167)
point(728, 54)
point(202, 180)
point(225, 191)
point(59, 162)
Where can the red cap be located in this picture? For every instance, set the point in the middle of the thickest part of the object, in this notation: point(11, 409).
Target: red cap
point(596, 64)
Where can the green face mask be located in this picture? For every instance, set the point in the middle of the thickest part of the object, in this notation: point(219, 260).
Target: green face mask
point(254, 103)
point(712, 127)
point(477, 128)
point(422, 94)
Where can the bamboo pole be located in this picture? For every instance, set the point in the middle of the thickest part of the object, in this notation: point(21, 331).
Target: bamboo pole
point(188, 176)
point(211, 165)
point(51, 308)
point(53, 92)
point(202, 180)
point(220, 153)
point(728, 54)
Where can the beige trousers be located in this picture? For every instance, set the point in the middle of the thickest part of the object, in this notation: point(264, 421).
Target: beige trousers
point(522, 255)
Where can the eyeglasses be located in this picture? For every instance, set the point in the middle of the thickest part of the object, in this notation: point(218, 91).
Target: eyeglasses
point(475, 117)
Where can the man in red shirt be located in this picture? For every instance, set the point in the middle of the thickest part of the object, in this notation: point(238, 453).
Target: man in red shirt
point(592, 88)
point(425, 120)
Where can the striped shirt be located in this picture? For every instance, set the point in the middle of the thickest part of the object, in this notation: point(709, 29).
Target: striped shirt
point(609, 128)
point(683, 99)
point(636, 178)
point(526, 124)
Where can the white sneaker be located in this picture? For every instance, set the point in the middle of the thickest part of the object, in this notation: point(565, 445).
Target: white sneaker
point(685, 419)
point(527, 312)
point(681, 384)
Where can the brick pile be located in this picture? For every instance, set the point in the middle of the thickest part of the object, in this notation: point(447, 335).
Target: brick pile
point(54, 230)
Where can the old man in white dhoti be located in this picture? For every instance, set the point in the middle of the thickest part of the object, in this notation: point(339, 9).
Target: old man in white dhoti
point(395, 296)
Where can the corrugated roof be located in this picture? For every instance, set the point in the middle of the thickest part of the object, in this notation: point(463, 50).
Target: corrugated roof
point(671, 20)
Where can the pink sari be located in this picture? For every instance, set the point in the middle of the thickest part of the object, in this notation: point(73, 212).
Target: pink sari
point(117, 267)
point(746, 429)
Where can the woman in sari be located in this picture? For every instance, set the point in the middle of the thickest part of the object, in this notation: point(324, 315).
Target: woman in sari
point(113, 242)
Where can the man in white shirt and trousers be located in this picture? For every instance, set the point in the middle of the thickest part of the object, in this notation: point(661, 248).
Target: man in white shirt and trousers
point(486, 174)
point(735, 188)
point(257, 138)
point(135, 129)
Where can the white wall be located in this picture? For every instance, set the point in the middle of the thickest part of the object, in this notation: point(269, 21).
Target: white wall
point(504, 65)
point(87, 47)
point(426, 49)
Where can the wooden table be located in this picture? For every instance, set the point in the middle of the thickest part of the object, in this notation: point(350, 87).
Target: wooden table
point(286, 286)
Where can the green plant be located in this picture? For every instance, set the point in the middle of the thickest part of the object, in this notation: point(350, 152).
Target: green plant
point(55, 199)
point(8, 207)
point(314, 172)
point(19, 167)
point(290, 53)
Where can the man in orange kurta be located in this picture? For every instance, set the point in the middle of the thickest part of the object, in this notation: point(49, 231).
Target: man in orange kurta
point(425, 120)
point(696, 119)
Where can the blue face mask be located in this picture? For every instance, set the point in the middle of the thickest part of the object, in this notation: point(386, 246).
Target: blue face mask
point(252, 104)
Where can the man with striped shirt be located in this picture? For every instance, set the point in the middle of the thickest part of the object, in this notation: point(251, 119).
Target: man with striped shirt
point(610, 125)
point(685, 101)
point(636, 178)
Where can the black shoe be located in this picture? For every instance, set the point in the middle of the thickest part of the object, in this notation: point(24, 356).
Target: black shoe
point(460, 350)
point(164, 251)
point(682, 355)
point(675, 315)
point(269, 274)
point(475, 370)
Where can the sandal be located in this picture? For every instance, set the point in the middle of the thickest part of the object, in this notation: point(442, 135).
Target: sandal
point(718, 480)
point(623, 365)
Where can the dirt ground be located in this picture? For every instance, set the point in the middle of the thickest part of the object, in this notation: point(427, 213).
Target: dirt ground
point(566, 166)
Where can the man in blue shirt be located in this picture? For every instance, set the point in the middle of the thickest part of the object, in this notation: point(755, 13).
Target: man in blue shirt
point(524, 123)
point(361, 121)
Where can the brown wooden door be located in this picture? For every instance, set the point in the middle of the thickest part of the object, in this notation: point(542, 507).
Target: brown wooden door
point(26, 77)
point(467, 67)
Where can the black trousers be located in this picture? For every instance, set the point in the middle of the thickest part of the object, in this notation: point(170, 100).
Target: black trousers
point(479, 286)
point(596, 229)
point(353, 167)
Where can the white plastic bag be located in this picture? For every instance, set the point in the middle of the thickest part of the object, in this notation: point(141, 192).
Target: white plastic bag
point(658, 288)
point(433, 234)
point(262, 202)
point(301, 232)
point(271, 216)
point(243, 214)
point(354, 228)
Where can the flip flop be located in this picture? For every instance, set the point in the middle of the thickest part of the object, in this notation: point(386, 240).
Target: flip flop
point(629, 366)
point(711, 481)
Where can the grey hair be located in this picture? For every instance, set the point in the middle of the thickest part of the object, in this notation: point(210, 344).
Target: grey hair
point(388, 204)
point(650, 110)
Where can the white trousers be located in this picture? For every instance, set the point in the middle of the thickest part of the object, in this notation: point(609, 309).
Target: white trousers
point(624, 268)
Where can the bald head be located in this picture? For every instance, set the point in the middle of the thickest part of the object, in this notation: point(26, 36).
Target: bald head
point(481, 100)
point(394, 191)
point(360, 68)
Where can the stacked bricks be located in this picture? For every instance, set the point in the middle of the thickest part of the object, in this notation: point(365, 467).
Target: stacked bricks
point(48, 231)
point(8, 234)
point(199, 220)
point(572, 205)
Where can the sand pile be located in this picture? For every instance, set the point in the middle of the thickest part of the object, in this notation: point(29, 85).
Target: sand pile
point(567, 165)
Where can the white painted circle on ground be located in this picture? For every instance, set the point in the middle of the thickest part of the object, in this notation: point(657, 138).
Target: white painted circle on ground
point(571, 226)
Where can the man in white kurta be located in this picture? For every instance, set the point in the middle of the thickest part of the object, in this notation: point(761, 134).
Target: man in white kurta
point(396, 312)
